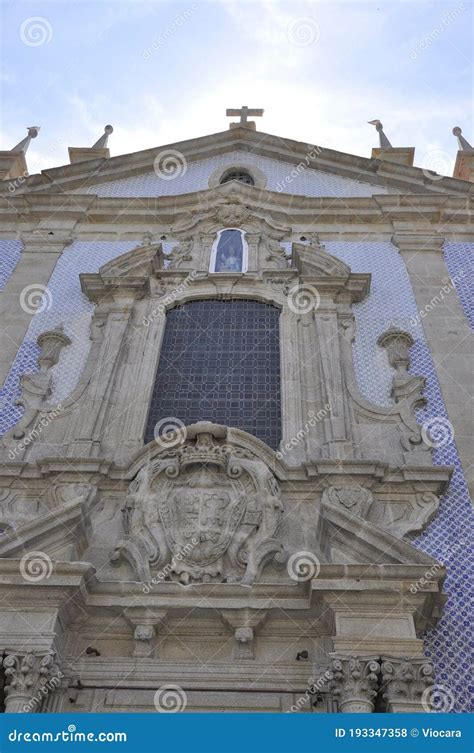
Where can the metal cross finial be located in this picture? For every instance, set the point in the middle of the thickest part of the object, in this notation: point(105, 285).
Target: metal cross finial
point(243, 113)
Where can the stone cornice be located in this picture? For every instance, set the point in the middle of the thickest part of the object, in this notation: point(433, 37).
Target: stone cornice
point(363, 169)
point(114, 218)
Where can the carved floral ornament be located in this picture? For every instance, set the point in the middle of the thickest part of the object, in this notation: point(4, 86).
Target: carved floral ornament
point(202, 511)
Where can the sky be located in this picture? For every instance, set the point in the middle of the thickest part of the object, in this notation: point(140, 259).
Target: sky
point(161, 72)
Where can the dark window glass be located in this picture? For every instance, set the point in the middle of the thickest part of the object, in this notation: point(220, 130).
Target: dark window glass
point(241, 175)
point(220, 362)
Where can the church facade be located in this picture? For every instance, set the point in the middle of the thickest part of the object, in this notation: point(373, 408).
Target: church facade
point(235, 452)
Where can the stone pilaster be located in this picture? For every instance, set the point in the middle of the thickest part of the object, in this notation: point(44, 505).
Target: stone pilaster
point(447, 332)
point(26, 291)
point(354, 682)
point(404, 683)
point(29, 679)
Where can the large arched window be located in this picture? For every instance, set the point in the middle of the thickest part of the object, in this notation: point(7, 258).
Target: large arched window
point(220, 362)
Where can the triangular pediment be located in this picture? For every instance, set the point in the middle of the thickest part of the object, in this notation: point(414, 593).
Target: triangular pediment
point(370, 175)
point(353, 540)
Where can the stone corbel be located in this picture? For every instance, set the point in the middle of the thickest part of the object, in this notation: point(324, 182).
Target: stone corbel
point(36, 388)
point(243, 622)
point(29, 679)
point(406, 683)
point(354, 682)
point(145, 623)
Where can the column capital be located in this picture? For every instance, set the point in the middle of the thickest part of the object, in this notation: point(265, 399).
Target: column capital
point(354, 682)
point(415, 242)
point(29, 679)
point(405, 681)
point(40, 241)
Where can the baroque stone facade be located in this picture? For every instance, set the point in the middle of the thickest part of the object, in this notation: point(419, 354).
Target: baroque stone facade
point(205, 566)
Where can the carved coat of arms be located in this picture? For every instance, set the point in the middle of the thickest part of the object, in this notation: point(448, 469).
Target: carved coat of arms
point(202, 511)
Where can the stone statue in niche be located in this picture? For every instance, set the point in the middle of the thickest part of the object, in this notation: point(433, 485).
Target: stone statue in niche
point(204, 511)
point(229, 252)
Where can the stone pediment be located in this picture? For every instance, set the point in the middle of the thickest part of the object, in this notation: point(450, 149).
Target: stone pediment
point(314, 261)
point(375, 172)
point(355, 540)
point(59, 525)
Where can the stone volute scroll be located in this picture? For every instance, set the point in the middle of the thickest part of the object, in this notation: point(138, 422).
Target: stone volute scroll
point(406, 683)
point(406, 388)
point(202, 511)
point(354, 682)
point(36, 388)
point(29, 676)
